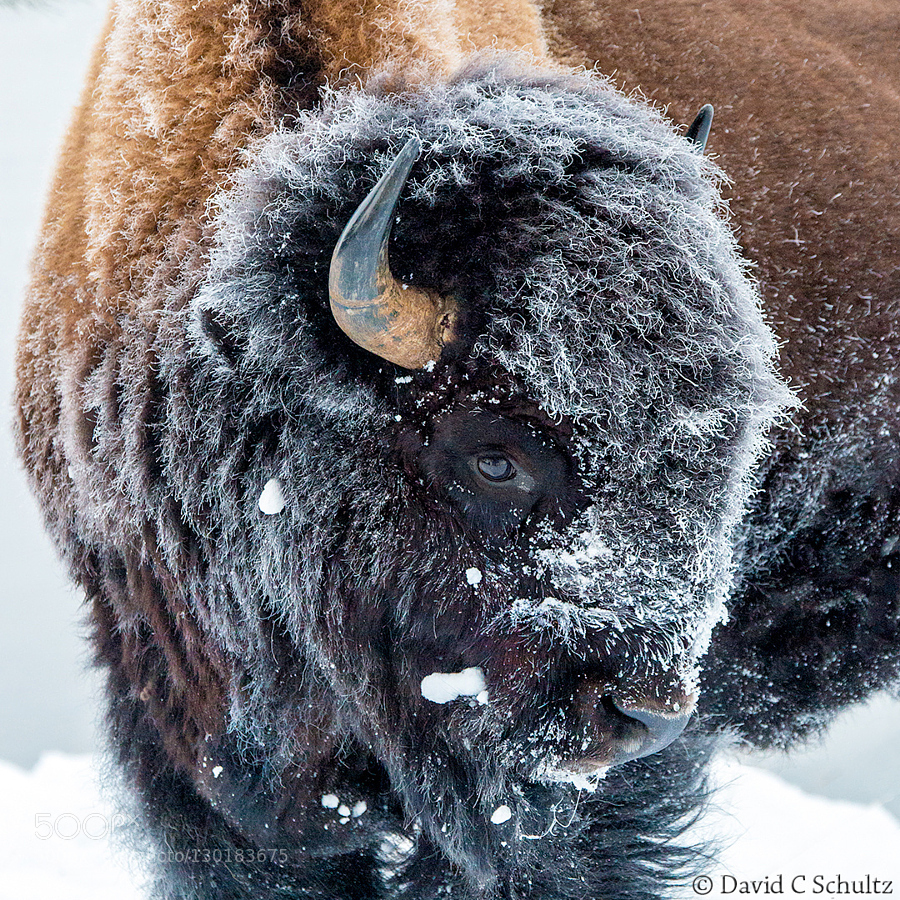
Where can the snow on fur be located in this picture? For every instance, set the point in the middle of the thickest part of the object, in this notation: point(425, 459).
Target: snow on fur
point(545, 203)
point(653, 346)
point(442, 687)
point(608, 325)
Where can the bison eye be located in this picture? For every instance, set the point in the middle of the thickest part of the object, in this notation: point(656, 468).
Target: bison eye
point(496, 468)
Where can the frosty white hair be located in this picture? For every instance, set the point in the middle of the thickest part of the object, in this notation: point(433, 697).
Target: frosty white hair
point(611, 294)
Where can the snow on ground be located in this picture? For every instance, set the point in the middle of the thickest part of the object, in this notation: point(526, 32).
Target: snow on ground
point(54, 838)
point(772, 828)
point(54, 834)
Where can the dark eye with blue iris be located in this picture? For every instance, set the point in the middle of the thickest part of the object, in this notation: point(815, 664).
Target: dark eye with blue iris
point(495, 467)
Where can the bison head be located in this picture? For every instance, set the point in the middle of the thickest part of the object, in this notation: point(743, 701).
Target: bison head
point(547, 505)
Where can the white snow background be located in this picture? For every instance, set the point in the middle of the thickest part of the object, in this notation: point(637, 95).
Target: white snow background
point(53, 821)
point(55, 830)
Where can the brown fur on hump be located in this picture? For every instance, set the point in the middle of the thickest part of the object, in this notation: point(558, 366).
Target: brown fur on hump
point(807, 114)
point(175, 91)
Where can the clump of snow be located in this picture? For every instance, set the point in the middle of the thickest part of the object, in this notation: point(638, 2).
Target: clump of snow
point(358, 809)
point(582, 781)
point(395, 849)
point(482, 697)
point(501, 814)
point(217, 771)
point(474, 576)
point(271, 500)
point(443, 687)
point(331, 801)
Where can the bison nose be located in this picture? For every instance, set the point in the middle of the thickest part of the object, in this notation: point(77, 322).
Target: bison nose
point(662, 726)
point(618, 731)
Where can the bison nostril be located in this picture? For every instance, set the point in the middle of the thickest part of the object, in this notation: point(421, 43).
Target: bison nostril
point(662, 726)
point(617, 731)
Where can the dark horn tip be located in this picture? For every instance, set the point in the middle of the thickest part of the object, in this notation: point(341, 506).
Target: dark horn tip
point(413, 147)
point(698, 133)
point(368, 304)
point(373, 216)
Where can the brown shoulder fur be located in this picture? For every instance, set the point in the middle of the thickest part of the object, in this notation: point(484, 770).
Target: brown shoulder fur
point(807, 113)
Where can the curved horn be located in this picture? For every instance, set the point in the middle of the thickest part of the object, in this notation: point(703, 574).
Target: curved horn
point(699, 130)
point(399, 323)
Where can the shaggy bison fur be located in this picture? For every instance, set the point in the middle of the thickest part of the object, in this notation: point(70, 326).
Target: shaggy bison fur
point(584, 504)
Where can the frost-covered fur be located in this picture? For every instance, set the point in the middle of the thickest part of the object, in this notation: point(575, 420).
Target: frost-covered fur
point(259, 662)
point(261, 666)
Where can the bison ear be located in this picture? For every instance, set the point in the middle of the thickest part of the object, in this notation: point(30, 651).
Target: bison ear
point(222, 336)
point(699, 130)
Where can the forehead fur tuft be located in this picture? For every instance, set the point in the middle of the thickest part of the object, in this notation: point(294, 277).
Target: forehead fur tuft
point(584, 236)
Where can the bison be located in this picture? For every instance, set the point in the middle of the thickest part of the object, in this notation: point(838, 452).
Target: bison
point(401, 399)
